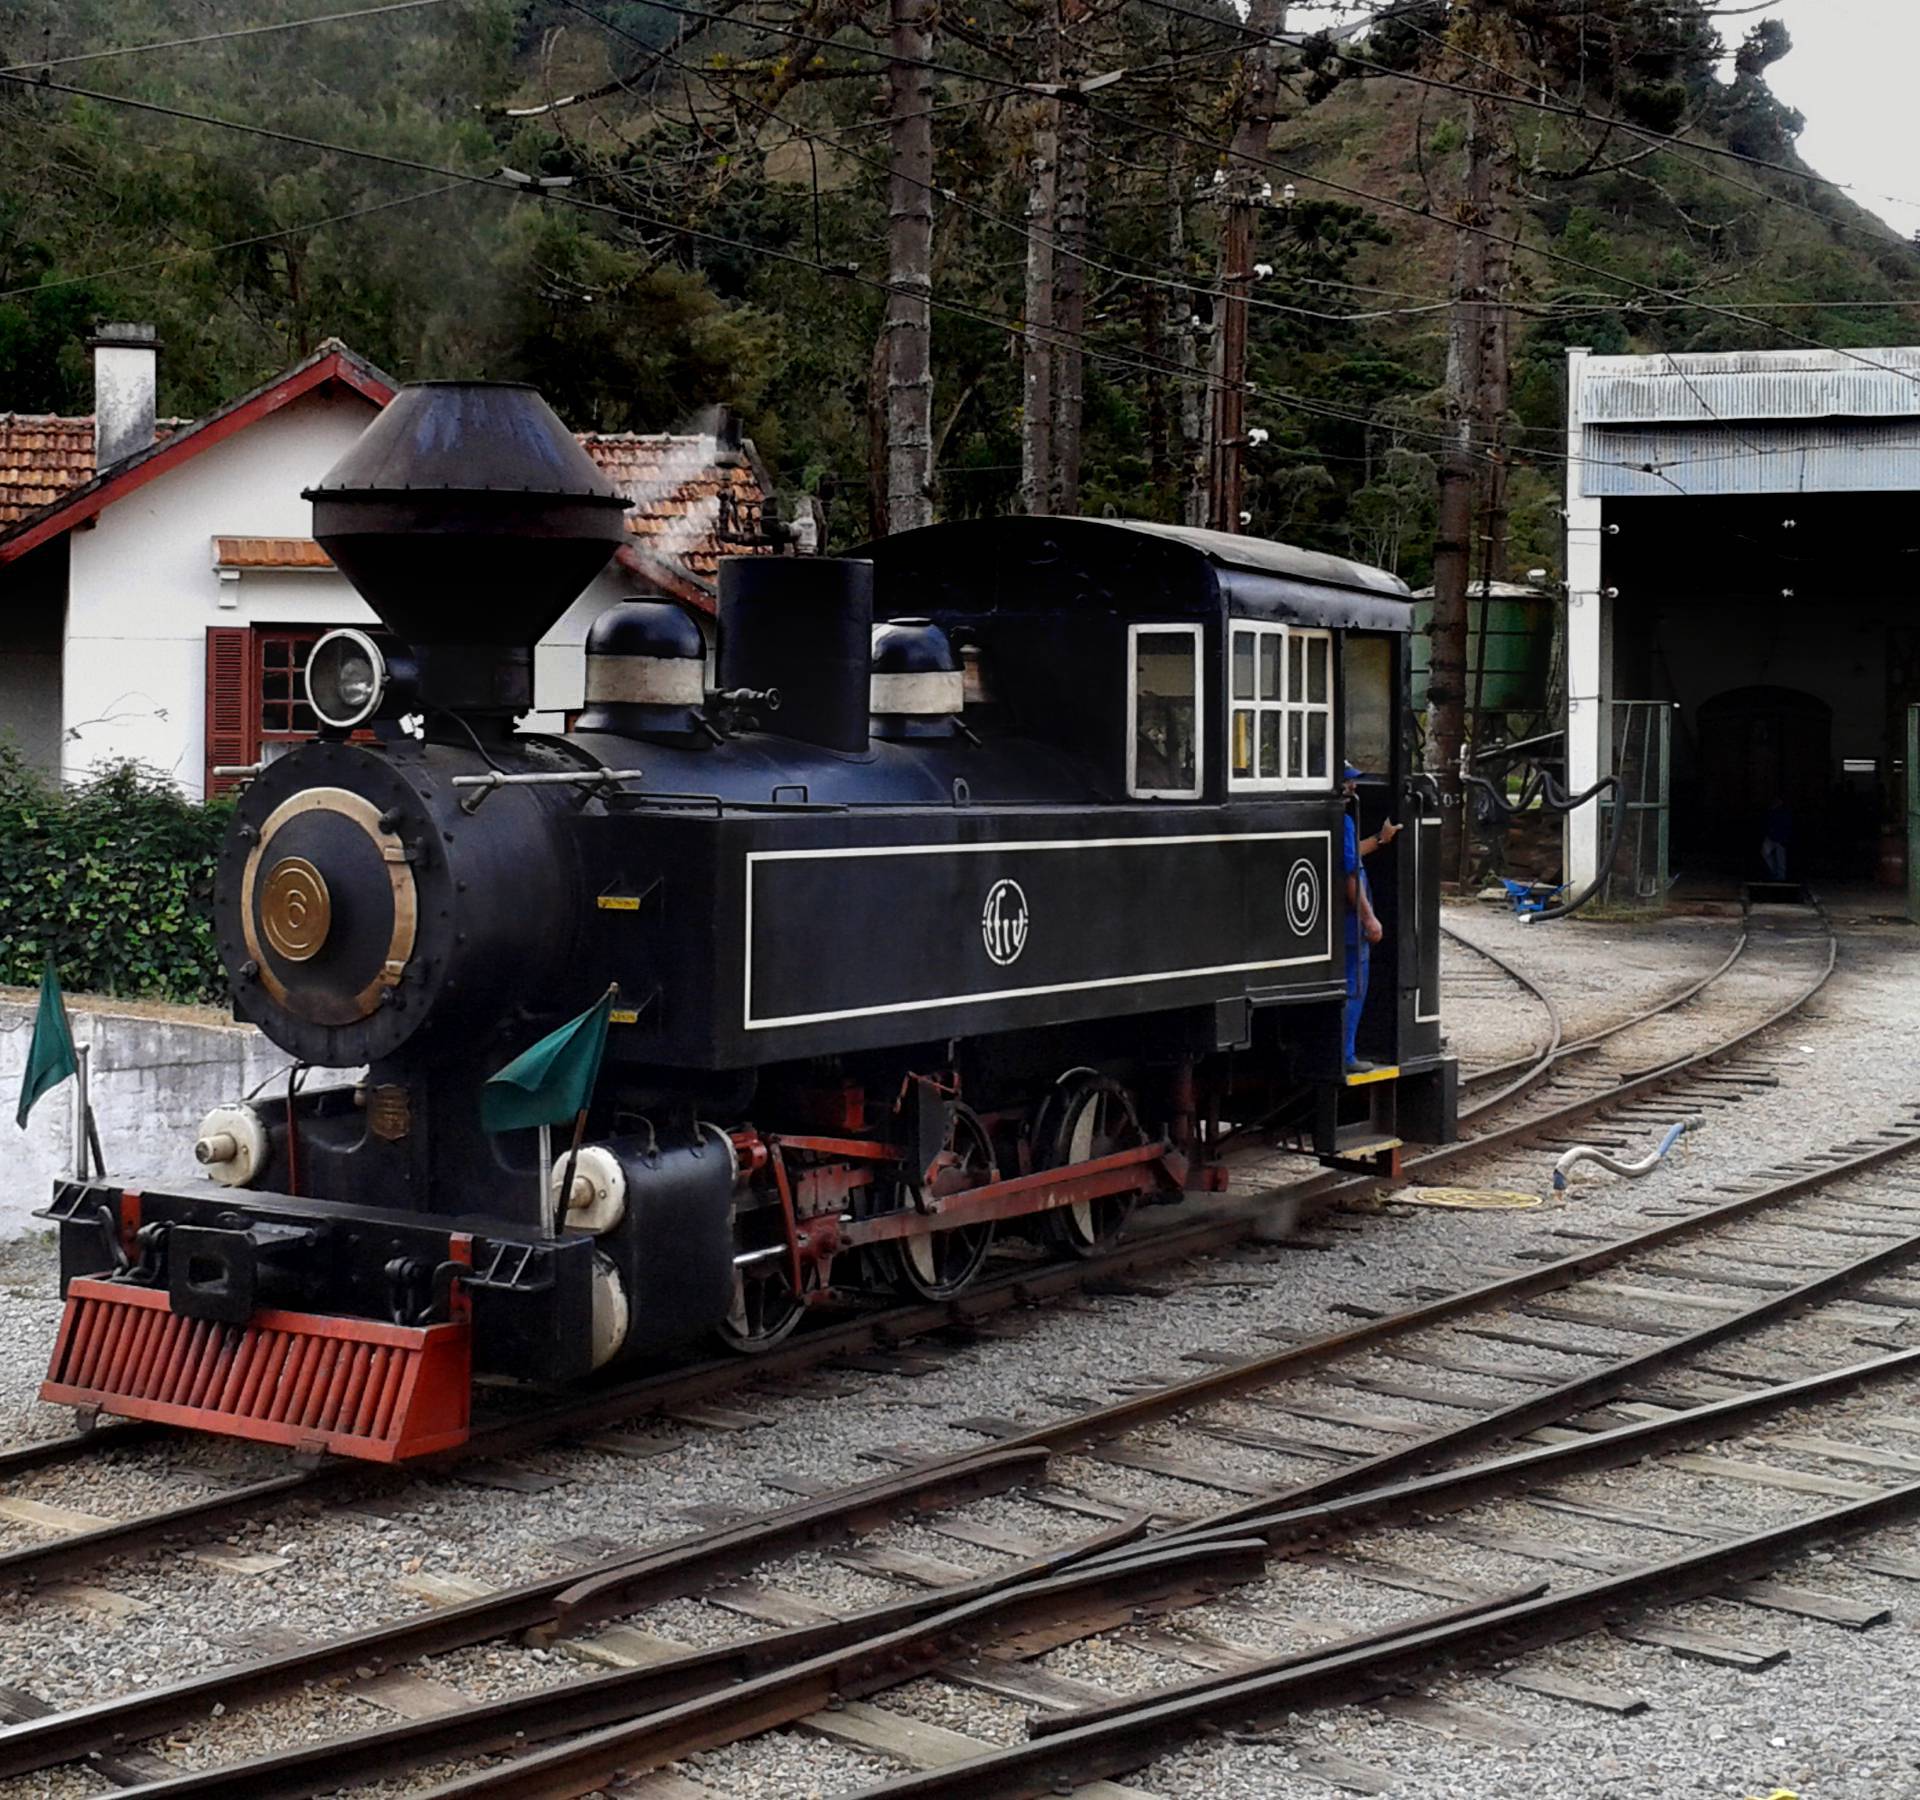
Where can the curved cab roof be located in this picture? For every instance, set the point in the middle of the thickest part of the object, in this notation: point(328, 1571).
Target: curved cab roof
point(1131, 565)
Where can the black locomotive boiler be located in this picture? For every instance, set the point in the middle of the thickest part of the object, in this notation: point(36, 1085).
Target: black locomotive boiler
point(990, 880)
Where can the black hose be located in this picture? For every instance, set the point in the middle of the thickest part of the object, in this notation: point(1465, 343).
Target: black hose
point(1492, 807)
point(1600, 874)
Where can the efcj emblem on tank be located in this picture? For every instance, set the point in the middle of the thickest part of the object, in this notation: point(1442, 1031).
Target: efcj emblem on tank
point(1003, 922)
point(1303, 897)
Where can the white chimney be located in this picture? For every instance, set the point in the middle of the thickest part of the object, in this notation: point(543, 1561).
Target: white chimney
point(125, 384)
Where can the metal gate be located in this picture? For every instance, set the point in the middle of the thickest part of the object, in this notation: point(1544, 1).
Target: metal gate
point(1638, 874)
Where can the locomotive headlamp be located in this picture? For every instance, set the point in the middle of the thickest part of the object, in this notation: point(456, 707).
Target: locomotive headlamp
point(352, 677)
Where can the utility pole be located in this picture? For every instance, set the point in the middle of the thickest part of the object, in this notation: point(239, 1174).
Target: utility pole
point(1475, 398)
point(1192, 398)
point(908, 332)
point(1257, 108)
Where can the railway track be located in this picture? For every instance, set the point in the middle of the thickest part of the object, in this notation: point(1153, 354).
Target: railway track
point(703, 1560)
point(1520, 1073)
point(1261, 1464)
point(78, 1550)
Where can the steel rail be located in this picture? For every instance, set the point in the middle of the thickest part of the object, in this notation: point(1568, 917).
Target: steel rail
point(120, 1720)
point(17, 1459)
point(1538, 1061)
point(1536, 1069)
point(1556, 1404)
point(1292, 1527)
point(664, 1389)
point(712, 1697)
point(594, 1409)
point(645, 1743)
point(559, 1605)
point(1634, 1085)
point(667, 1573)
point(1120, 1742)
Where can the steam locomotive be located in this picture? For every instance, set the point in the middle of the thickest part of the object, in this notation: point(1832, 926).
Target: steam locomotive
point(986, 881)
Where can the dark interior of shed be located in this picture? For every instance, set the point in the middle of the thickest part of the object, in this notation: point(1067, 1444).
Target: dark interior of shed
point(1785, 628)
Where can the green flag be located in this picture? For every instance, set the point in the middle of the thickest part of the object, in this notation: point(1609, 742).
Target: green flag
point(50, 1057)
point(552, 1081)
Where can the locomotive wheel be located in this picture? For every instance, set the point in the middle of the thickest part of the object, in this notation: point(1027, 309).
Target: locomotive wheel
point(763, 1313)
point(764, 1308)
point(1085, 1116)
point(936, 1265)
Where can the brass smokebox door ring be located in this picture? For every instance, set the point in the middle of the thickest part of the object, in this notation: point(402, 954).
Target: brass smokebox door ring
point(406, 906)
point(295, 908)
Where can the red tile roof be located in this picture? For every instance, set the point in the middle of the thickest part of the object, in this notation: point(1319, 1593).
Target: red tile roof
point(693, 503)
point(269, 553)
point(693, 500)
point(41, 456)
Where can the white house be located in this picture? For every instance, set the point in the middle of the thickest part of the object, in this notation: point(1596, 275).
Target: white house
point(158, 598)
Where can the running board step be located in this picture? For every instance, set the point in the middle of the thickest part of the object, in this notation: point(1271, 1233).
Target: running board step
point(357, 1387)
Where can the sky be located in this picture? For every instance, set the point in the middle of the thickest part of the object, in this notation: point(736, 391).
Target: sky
point(1851, 72)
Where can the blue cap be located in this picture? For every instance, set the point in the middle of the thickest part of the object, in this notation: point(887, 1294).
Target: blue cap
point(1350, 772)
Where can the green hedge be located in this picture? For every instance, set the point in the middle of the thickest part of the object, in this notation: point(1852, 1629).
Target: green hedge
point(114, 878)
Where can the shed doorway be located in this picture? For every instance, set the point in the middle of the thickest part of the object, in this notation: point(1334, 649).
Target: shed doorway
point(1762, 749)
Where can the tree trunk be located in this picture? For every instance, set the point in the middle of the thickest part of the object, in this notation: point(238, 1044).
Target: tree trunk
point(877, 435)
point(1256, 110)
point(1037, 346)
point(1039, 372)
point(1070, 305)
point(1159, 423)
point(1461, 456)
point(909, 327)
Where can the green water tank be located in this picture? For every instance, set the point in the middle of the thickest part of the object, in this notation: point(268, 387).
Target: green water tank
point(1519, 646)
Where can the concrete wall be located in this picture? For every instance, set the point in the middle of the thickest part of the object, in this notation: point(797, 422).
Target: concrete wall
point(157, 1070)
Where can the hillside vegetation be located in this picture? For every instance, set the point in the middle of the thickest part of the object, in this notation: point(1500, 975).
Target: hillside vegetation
point(722, 236)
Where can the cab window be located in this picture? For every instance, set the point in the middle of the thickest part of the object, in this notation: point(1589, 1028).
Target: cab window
point(1163, 712)
point(1368, 667)
point(1280, 699)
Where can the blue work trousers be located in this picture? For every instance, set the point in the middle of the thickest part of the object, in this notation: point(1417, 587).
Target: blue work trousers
point(1358, 957)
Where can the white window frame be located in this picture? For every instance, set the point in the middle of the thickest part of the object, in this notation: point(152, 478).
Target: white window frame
point(1195, 636)
point(1287, 707)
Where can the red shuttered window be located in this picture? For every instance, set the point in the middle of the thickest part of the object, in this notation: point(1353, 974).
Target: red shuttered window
point(256, 695)
point(230, 709)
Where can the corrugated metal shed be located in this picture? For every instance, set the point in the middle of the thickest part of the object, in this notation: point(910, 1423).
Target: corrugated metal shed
point(1752, 384)
point(1873, 457)
point(1751, 422)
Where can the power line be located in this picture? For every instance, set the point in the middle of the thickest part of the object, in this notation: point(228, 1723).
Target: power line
point(1549, 102)
point(1298, 174)
point(1019, 229)
point(504, 184)
point(219, 37)
point(500, 183)
point(264, 237)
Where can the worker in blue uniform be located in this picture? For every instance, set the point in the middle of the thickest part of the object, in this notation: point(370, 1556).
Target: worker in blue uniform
point(1364, 929)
